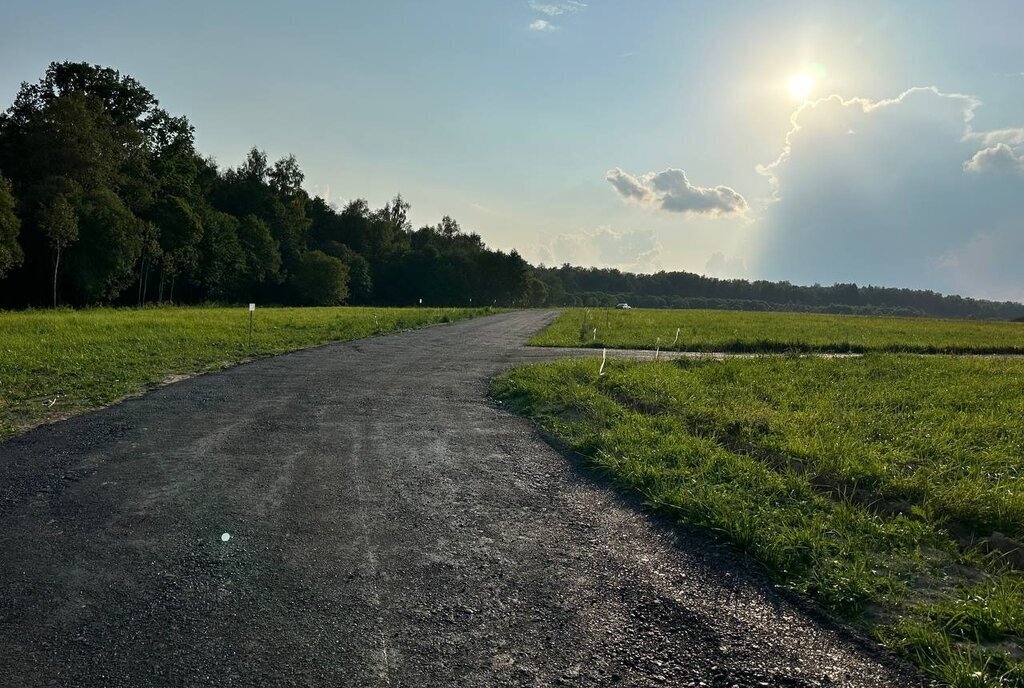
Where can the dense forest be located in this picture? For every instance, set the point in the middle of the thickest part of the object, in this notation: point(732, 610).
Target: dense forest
point(104, 200)
point(577, 286)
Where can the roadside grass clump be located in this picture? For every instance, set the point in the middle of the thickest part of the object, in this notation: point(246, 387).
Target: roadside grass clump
point(55, 363)
point(871, 485)
point(756, 332)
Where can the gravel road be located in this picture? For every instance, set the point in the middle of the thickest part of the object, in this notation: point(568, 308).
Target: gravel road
point(387, 525)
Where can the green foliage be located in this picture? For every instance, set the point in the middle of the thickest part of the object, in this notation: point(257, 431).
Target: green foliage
point(59, 223)
point(320, 280)
point(776, 332)
point(262, 255)
point(860, 482)
point(222, 258)
point(59, 362)
point(184, 230)
point(180, 230)
point(101, 262)
point(11, 254)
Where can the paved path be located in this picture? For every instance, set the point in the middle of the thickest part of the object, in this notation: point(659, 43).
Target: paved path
point(389, 526)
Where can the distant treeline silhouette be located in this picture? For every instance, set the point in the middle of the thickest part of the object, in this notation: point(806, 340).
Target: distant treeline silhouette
point(577, 286)
point(104, 200)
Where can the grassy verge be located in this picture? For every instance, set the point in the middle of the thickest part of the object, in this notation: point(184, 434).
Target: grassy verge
point(737, 331)
point(888, 488)
point(57, 363)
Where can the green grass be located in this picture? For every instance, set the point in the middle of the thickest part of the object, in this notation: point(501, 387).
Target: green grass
point(867, 484)
point(57, 363)
point(738, 331)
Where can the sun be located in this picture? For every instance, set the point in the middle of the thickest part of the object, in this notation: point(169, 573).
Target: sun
point(801, 85)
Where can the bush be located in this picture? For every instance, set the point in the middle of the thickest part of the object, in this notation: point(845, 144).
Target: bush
point(319, 280)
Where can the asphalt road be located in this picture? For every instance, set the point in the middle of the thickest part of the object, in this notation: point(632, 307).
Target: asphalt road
point(389, 526)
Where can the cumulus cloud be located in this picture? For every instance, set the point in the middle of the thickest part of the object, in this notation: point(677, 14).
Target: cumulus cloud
point(638, 251)
point(628, 186)
point(720, 265)
point(892, 192)
point(1000, 159)
point(542, 25)
point(670, 190)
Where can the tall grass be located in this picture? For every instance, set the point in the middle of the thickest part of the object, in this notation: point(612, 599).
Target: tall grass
point(738, 331)
point(56, 363)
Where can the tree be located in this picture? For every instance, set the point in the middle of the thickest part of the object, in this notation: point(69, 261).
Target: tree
point(101, 263)
point(59, 222)
point(180, 232)
point(11, 255)
point(262, 255)
point(360, 279)
point(286, 177)
point(537, 294)
point(319, 280)
point(221, 268)
point(149, 254)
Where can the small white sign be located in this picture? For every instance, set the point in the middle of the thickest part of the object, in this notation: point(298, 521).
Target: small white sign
point(252, 307)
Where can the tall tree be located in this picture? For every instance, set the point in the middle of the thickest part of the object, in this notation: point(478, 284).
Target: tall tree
point(180, 232)
point(59, 223)
point(101, 264)
point(221, 268)
point(262, 255)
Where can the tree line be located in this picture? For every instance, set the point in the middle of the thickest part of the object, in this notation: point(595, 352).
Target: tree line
point(578, 286)
point(105, 200)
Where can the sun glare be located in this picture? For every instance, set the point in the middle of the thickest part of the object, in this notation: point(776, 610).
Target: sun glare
point(800, 85)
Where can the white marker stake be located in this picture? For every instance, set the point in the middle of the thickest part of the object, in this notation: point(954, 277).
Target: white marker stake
point(252, 310)
point(677, 336)
point(604, 357)
point(657, 348)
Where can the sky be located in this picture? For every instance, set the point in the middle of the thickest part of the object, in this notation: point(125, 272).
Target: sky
point(875, 142)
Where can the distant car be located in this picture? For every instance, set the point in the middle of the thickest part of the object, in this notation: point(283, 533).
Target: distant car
point(623, 306)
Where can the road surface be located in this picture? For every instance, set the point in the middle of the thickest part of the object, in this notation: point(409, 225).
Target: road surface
point(361, 514)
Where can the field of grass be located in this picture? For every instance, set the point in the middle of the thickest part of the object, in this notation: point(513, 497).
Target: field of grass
point(738, 331)
point(57, 363)
point(889, 488)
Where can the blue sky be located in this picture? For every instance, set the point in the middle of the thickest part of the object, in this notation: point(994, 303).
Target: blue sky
point(475, 109)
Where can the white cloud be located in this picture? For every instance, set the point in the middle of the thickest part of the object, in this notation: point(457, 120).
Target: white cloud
point(890, 192)
point(836, 121)
point(720, 265)
point(558, 8)
point(542, 25)
point(628, 186)
point(670, 190)
point(1011, 137)
point(638, 251)
point(999, 159)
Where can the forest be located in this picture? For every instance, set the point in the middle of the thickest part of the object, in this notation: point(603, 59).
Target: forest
point(104, 199)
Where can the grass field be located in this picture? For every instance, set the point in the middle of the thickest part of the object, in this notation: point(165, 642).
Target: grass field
point(57, 363)
point(889, 488)
point(738, 331)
